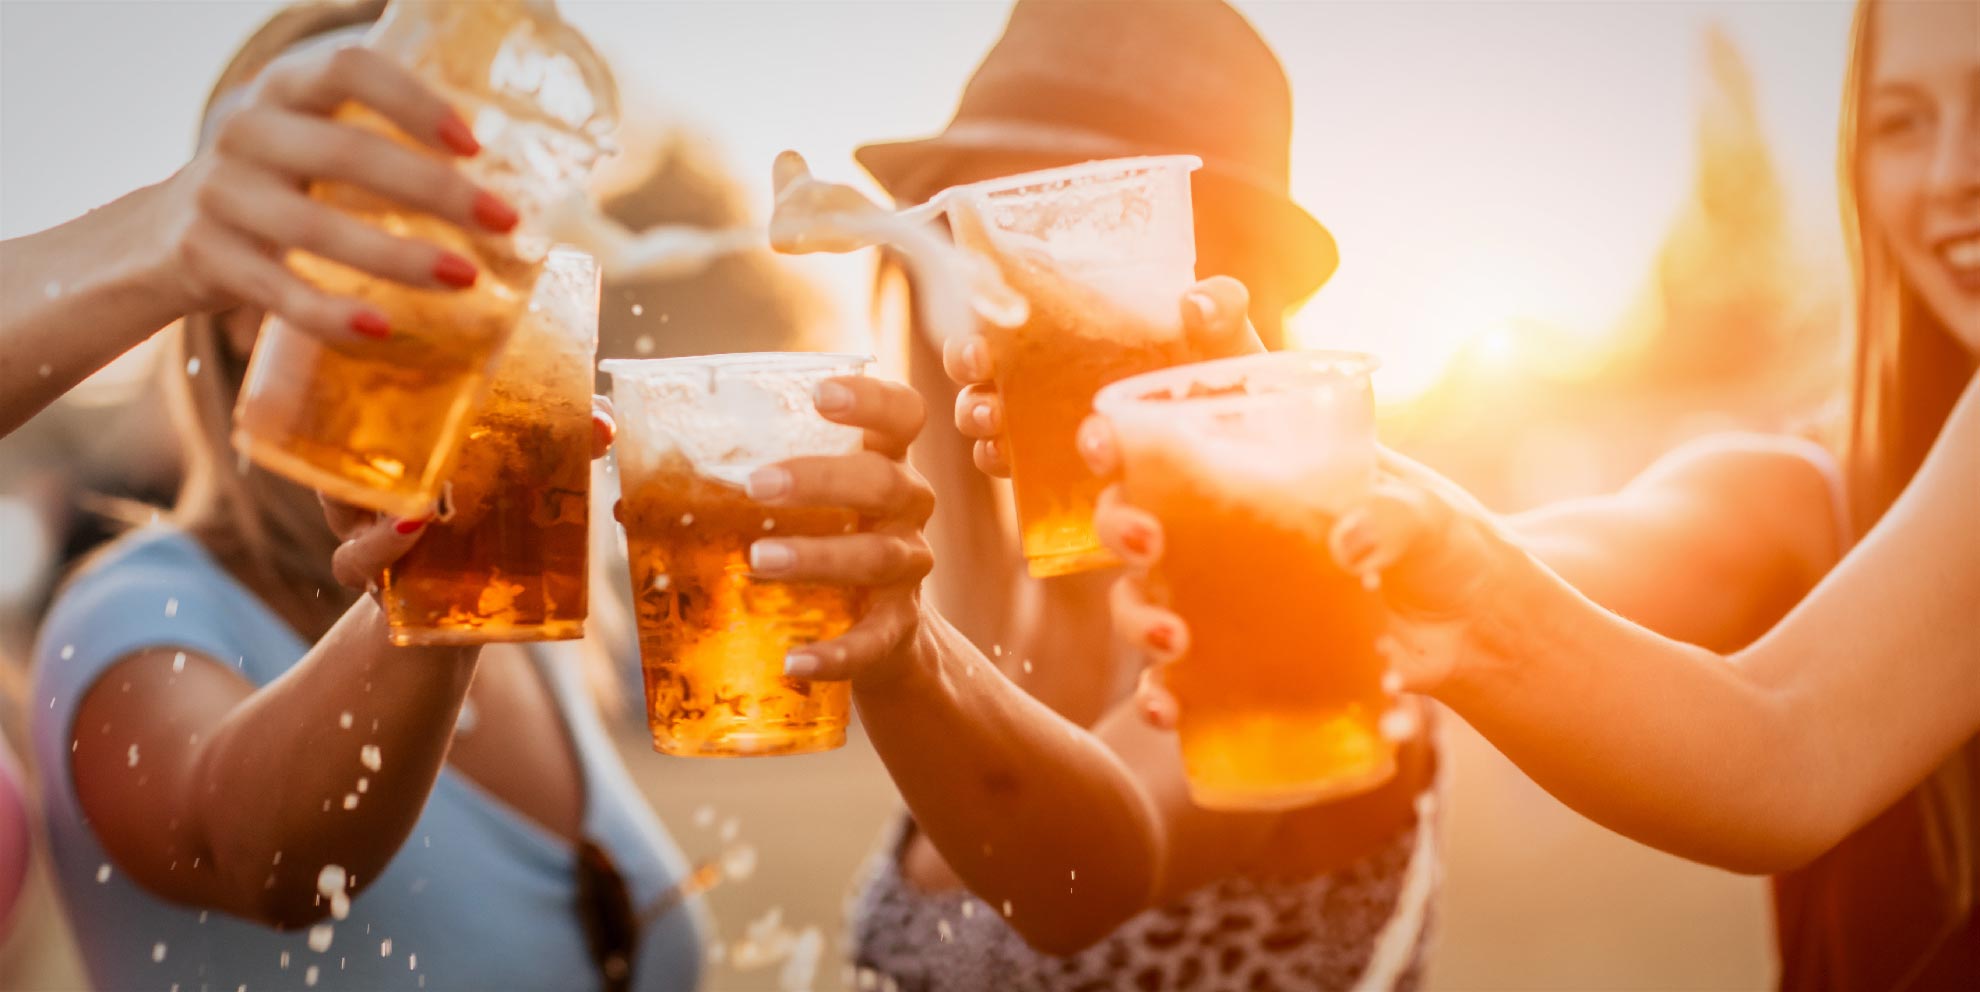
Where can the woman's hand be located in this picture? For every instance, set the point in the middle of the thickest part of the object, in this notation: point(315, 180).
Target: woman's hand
point(1431, 549)
point(371, 542)
point(231, 214)
point(1214, 326)
point(888, 557)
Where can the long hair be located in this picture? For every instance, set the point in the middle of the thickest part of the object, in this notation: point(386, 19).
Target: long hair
point(1907, 373)
point(262, 528)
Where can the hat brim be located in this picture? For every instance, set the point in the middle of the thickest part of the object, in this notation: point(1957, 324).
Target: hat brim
point(1303, 252)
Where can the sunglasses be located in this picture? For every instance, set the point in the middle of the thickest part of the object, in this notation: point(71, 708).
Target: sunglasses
point(612, 925)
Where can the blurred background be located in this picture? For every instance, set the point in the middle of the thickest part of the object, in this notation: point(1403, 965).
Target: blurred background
point(1576, 234)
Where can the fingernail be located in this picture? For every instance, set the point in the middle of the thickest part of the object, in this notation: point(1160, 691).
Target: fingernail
point(770, 556)
point(974, 358)
point(455, 134)
point(1137, 540)
point(1355, 540)
point(981, 416)
point(371, 324)
point(1090, 444)
point(800, 664)
point(1202, 307)
point(454, 270)
point(833, 397)
point(768, 483)
point(494, 213)
point(1163, 638)
point(409, 526)
point(602, 430)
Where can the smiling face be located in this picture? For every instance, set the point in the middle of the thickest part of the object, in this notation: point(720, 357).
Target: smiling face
point(1920, 157)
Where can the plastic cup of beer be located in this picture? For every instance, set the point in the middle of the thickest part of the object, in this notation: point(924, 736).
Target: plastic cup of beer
point(375, 423)
point(1102, 254)
point(712, 637)
point(1247, 462)
point(506, 559)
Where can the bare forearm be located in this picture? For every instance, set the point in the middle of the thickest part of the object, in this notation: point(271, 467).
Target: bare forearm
point(1661, 741)
point(72, 298)
point(329, 765)
point(1032, 812)
point(1060, 646)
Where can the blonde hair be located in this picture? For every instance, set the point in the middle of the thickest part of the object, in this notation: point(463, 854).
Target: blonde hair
point(1907, 373)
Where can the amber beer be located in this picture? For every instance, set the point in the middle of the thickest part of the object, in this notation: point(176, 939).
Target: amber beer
point(1247, 462)
point(712, 638)
point(375, 423)
point(507, 559)
point(1102, 254)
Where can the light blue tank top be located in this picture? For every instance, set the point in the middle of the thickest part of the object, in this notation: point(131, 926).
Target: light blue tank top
point(479, 897)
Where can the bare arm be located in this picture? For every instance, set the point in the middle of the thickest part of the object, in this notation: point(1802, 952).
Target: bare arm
point(211, 237)
point(1763, 763)
point(1711, 546)
point(74, 297)
point(215, 794)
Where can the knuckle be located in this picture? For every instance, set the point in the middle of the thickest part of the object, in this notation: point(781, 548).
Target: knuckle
point(345, 68)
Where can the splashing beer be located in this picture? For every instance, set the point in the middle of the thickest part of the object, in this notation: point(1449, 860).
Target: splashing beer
point(508, 563)
point(712, 638)
point(1247, 462)
point(1102, 253)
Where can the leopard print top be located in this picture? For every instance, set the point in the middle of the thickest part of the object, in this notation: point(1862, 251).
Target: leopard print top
point(1365, 925)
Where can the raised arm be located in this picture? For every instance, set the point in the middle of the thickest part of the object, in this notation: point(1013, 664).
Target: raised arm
point(211, 792)
point(211, 237)
point(1755, 762)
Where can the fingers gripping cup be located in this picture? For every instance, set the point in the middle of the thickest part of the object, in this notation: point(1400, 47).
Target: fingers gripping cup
point(712, 638)
point(506, 561)
point(374, 422)
point(1247, 462)
point(1102, 254)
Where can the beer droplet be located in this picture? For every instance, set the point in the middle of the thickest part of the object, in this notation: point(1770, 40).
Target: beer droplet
point(704, 816)
point(1027, 666)
point(372, 758)
point(158, 952)
point(643, 344)
point(68, 651)
point(134, 756)
point(172, 607)
point(46, 371)
point(638, 311)
point(102, 873)
point(309, 977)
point(1007, 909)
point(350, 800)
point(344, 720)
point(179, 662)
point(385, 948)
point(285, 960)
point(192, 366)
point(944, 932)
point(687, 519)
point(320, 936)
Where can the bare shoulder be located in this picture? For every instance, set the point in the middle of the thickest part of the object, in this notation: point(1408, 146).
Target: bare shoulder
point(1759, 486)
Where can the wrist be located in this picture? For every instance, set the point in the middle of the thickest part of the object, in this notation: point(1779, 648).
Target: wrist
point(1501, 628)
point(915, 655)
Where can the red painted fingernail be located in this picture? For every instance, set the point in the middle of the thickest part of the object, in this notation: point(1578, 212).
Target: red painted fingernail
point(371, 324)
point(1163, 638)
point(494, 213)
point(602, 430)
point(409, 526)
point(1136, 539)
point(455, 134)
point(454, 270)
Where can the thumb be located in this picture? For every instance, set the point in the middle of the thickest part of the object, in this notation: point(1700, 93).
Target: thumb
point(1372, 537)
point(1215, 321)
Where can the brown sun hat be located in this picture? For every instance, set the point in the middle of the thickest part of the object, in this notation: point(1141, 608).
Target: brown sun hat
point(1074, 80)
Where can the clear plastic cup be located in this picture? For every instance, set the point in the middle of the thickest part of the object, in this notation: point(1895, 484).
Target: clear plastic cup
point(712, 638)
point(1102, 254)
point(507, 559)
point(1247, 462)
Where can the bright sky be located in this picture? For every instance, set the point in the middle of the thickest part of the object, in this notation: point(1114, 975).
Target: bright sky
point(1478, 160)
